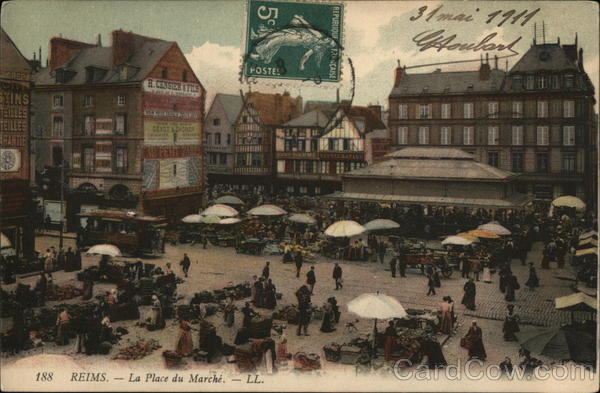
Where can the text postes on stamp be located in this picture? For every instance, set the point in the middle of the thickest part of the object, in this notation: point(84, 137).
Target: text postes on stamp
point(293, 40)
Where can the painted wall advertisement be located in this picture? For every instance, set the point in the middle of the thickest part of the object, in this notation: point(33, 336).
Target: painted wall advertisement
point(172, 88)
point(52, 209)
point(171, 133)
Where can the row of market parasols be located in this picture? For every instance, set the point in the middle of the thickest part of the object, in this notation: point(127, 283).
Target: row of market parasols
point(491, 230)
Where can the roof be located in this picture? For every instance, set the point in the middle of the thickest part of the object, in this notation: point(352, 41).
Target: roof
point(232, 103)
point(143, 59)
point(273, 109)
point(314, 118)
point(436, 167)
point(431, 153)
point(458, 82)
point(325, 106)
point(119, 215)
point(548, 57)
point(12, 58)
point(516, 202)
point(578, 301)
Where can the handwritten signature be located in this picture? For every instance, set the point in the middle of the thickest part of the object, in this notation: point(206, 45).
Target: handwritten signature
point(430, 39)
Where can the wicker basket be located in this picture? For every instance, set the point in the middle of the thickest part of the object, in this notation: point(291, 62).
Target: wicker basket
point(172, 359)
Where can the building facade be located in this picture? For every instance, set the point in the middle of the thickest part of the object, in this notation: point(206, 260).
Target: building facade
point(315, 149)
point(219, 135)
point(535, 119)
point(16, 209)
point(126, 121)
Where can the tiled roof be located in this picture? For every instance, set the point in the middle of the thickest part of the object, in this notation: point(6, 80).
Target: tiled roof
point(548, 57)
point(365, 115)
point(273, 109)
point(314, 118)
point(232, 103)
point(448, 83)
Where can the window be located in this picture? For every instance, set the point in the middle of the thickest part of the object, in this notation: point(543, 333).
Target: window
point(445, 136)
point(89, 125)
point(529, 82)
point(569, 80)
point(57, 101)
point(568, 162)
point(542, 82)
point(121, 159)
point(88, 159)
point(493, 158)
point(517, 135)
point(245, 119)
point(217, 138)
point(468, 110)
point(164, 73)
point(517, 162)
point(121, 100)
point(88, 100)
point(120, 124)
point(493, 110)
point(423, 135)
point(303, 190)
point(555, 82)
point(517, 109)
point(209, 138)
point(57, 155)
point(403, 111)
point(228, 139)
point(542, 109)
point(256, 161)
point(569, 109)
point(241, 159)
point(543, 136)
point(424, 111)
point(402, 135)
point(216, 122)
point(339, 167)
point(517, 82)
point(58, 126)
point(346, 144)
point(468, 135)
point(314, 144)
point(569, 135)
point(542, 162)
point(223, 159)
point(492, 135)
point(324, 167)
point(446, 111)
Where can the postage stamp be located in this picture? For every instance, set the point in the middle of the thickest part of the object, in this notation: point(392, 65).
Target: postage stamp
point(293, 40)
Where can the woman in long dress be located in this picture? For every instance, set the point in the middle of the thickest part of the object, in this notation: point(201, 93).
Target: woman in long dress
point(487, 274)
point(326, 325)
point(474, 342)
point(62, 326)
point(445, 317)
point(229, 313)
point(270, 295)
point(511, 325)
point(469, 297)
point(157, 320)
point(184, 345)
point(533, 280)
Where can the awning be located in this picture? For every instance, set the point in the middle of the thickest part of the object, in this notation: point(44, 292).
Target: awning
point(586, 251)
point(577, 302)
point(517, 203)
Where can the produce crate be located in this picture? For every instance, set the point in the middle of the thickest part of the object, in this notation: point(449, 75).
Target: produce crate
point(332, 352)
point(348, 355)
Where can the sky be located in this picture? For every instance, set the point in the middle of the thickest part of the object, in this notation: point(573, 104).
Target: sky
point(376, 34)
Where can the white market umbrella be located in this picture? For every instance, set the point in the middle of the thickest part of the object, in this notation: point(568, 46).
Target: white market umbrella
point(381, 223)
point(104, 249)
point(569, 201)
point(376, 306)
point(457, 241)
point(228, 221)
point(495, 227)
point(229, 200)
point(210, 219)
point(302, 219)
point(267, 210)
point(220, 210)
point(346, 228)
point(587, 235)
point(192, 219)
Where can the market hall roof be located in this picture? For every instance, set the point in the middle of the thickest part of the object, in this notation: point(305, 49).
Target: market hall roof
point(438, 82)
point(432, 164)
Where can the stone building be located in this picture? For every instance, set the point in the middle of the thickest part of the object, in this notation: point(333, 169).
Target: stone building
point(536, 119)
point(218, 137)
point(127, 120)
point(16, 210)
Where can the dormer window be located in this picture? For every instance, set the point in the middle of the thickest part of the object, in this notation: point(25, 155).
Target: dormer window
point(470, 87)
point(446, 89)
point(569, 80)
point(542, 82)
point(425, 89)
point(517, 82)
point(555, 82)
point(94, 74)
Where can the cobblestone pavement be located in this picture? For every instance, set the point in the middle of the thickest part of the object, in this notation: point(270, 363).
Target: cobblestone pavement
point(217, 267)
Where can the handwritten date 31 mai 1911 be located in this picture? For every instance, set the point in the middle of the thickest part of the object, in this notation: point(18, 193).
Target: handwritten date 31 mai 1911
point(436, 39)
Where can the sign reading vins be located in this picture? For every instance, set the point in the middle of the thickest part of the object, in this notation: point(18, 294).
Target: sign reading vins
point(171, 133)
point(14, 108)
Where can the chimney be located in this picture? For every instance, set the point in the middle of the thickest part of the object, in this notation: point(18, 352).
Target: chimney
point(495, 62)
point(61, 50)
point(398, 74)
point(99, 40)
point(580, 60)
point(337, 95)
point(122, 46)
point(376, 109)
point(484, 72)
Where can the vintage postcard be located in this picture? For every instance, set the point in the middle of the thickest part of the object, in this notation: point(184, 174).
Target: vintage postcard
point(319, 195)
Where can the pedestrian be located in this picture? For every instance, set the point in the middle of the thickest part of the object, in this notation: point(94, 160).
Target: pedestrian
point(303, 296)
point(60, 259)
point(487, 274)
point(62, 327)
point(466, 266)
point(473, 341)
point(469, 296)
point(298, 261)
point(337, 276)
point(185, 264)
point(436, 277)
point(402, 263)
point(393, 262)
point(311, 279)
point(248, 313)
point(381, 248)
point(503, 274)
point(475, 268)
point(446, 322)
point(229, 312)
point(258, 293)
point(184, 345)
point(511, 325)
point(328, 319)
point(157, 321)
point(533, 280)
point(506, 366)
point(204, 242)
point(266, 271)
point(48, 261)
point(389, 343)
point(430, 285)
point(47, 223)
point(511, 286)
point(270, 295)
